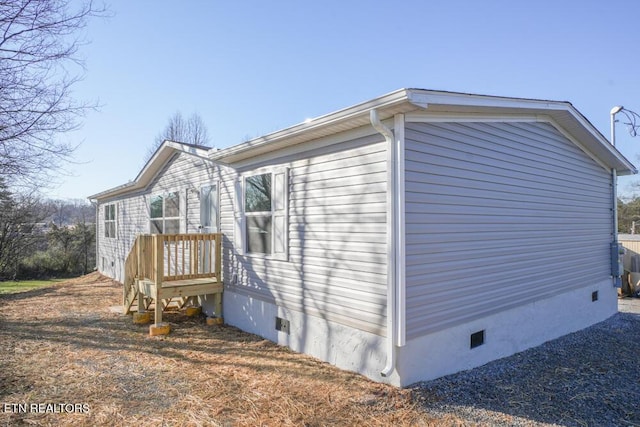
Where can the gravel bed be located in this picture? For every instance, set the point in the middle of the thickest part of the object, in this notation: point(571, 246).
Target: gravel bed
point(588, 378)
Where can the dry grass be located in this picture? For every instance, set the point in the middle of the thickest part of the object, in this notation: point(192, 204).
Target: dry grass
point(62, 345)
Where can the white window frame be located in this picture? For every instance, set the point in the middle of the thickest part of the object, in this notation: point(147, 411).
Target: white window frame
point(279, 214)
point(110, 221)
point(164, 218)
point(257, 214)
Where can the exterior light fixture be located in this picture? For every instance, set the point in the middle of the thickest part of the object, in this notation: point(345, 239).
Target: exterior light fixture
point(632, 123)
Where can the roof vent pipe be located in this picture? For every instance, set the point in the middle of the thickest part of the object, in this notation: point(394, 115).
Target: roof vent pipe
point(391, 245)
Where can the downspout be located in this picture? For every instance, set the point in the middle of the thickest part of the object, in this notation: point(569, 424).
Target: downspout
point(391, 243)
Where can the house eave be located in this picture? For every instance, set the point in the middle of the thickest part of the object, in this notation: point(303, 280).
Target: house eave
point(166, 151)
point(113, 192)
point(431, 102)
point(399, 101)
point(561, 112)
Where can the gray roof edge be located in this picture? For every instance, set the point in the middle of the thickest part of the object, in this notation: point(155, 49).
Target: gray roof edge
point(391, 98)
point(419, 98)
point(153, 165)
point(413, 97)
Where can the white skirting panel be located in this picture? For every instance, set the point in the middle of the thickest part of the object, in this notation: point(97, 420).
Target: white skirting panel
point(506, 333)
point(430, 356)
point(345, 347)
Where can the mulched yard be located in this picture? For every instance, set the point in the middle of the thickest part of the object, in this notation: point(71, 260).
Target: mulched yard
point(62, 346)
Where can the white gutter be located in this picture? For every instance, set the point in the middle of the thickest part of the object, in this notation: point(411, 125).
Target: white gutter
point(391, 243)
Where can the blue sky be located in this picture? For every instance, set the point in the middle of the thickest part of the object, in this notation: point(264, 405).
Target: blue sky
point(253, 67)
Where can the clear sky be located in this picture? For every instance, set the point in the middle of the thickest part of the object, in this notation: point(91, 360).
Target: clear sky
point(253, 67)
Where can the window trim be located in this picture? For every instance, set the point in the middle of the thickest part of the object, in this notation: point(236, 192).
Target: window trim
point(275, 214)
point(164, 218)
point(113, 221)
point(255, 214)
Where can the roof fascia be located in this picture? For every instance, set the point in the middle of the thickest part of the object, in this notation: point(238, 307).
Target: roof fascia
point(163, 154)
point(388, 100)
point(631, 169)
point(472, 100)
point(551, 108)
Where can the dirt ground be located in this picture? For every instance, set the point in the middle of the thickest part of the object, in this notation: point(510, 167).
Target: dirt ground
point(67, 360)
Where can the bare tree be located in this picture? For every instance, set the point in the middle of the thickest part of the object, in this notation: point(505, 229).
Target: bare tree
point(39, 41)
point(65, 212)
point(84, 234)
point(190, 131)
point(19, 217)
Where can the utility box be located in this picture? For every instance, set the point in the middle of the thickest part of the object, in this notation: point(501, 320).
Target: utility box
point(617, 269)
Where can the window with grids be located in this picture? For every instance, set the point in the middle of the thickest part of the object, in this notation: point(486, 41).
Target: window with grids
point(164, 213)
point(259, 213)
point(110, 221)
point(261, 218)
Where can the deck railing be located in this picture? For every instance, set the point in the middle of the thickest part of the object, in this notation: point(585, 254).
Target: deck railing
point(167, 257)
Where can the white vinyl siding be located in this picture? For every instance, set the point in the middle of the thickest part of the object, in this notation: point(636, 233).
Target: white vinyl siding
point(336, 266)
point(183, 174)
point(131, 219)
point(334, 211)
point(498, 215)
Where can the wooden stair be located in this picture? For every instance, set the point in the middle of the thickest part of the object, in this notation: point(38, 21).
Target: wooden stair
point(172, 269)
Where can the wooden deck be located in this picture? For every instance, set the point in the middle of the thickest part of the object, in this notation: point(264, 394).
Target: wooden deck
point(161, 267)
point(180, 288)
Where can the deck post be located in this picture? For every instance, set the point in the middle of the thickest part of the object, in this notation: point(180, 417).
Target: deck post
point(218, 257)
point(158, 273)
point(217, 304)
point(139, 245)
point(195, 244)
point(158, 309)
point(139, 253)
point(218, 272)
point(140, 298)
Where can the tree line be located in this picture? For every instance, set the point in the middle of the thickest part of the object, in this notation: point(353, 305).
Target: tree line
point(40, 63)
point(44, 238)
point(629, 216)
point(39, 66)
